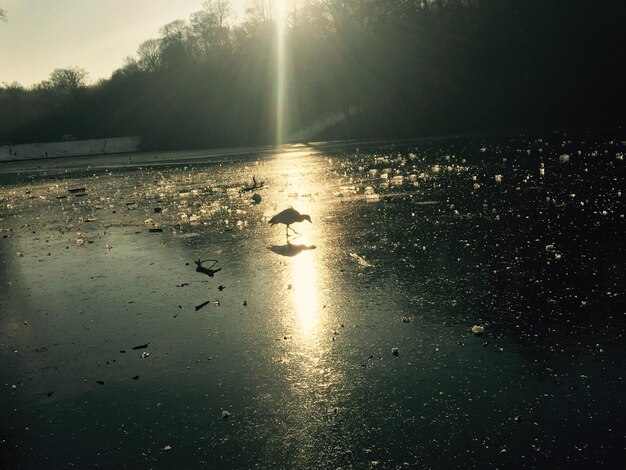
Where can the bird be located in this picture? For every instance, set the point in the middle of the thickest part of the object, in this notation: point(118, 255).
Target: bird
point(288, 217)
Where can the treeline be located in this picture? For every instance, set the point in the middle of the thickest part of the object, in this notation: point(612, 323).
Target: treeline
point(394, 68)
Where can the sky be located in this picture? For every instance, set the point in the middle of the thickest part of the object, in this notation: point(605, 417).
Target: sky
point(97, 35)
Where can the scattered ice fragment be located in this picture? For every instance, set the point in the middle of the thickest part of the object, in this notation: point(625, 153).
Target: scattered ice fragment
point(225, 414)
point(550, 248)
point(478, 330)
point(406, 320)
point(167, 448)
point(564, 158)
point(145, 354)
point(360, 260)
point(80, 239)
point(498, 178)
point(395, 351)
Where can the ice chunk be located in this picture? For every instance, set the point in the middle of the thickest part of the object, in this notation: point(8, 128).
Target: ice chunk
point(80, 239)
point(478, 330)
point(360, 260)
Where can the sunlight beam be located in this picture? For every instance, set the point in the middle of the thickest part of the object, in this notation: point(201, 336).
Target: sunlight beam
point(281, 75)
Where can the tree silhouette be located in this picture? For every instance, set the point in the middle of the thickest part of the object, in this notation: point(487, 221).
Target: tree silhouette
point(390, 68)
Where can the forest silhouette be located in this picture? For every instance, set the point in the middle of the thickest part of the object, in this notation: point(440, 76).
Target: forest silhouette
point(389, 68)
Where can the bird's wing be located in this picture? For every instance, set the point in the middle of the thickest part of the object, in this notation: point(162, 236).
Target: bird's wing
point(282, 217)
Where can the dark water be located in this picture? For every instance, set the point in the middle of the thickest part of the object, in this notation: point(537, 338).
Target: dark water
point(410, 247)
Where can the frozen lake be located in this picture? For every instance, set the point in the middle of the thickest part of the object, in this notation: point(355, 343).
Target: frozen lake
point(349, 345)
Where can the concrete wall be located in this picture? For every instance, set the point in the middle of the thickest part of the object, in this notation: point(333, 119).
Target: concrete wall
point(69, 149)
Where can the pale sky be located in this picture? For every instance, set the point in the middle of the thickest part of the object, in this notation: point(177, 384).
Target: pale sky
point(42, 35)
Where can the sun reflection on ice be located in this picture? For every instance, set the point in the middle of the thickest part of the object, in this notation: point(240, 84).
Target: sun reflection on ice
point(305, 295)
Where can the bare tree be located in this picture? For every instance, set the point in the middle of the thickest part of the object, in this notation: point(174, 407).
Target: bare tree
point(69, 79)
point(173, 32)
point(174, 44)
point(149, 53)
point(261, 10)
point(12, 87)
point(209, 27)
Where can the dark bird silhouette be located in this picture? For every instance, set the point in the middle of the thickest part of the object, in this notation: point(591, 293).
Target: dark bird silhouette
point(288, 217)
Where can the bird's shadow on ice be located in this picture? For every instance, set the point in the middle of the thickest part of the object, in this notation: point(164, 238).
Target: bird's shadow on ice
point(290, 249)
